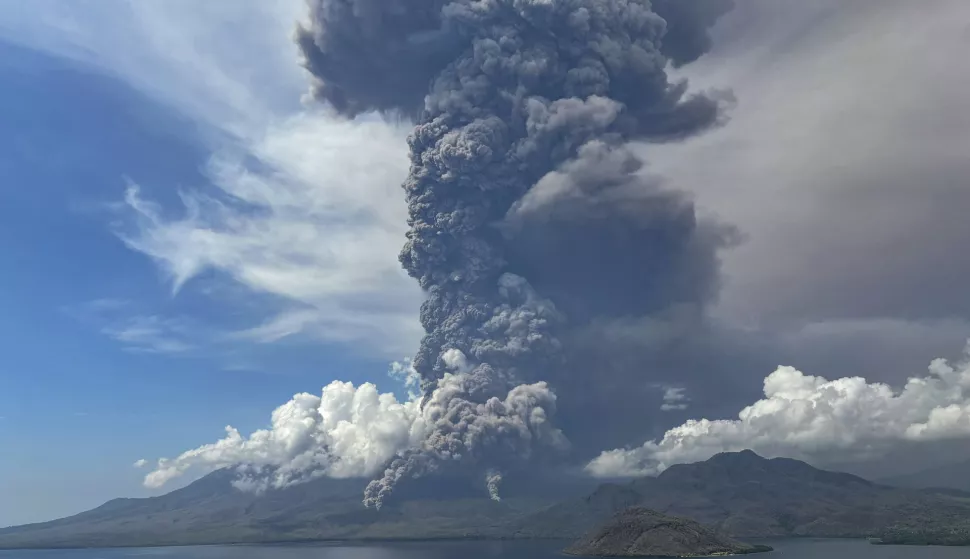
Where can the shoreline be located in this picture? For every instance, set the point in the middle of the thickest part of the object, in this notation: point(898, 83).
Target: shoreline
point(295, 542)
point(765, 541)
point(758, 548)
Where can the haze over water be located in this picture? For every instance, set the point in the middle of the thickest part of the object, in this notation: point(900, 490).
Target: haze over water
point(786, 549)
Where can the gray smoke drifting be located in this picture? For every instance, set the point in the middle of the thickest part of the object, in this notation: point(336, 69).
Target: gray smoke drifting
point(529, 219)
point(493, 481)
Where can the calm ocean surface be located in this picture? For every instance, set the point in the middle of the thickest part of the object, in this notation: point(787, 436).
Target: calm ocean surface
point(787, 549)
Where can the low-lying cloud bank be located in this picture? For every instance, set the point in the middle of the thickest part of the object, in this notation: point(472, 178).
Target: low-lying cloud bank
point(350, 432)
point(811, 417)
point(347, 431)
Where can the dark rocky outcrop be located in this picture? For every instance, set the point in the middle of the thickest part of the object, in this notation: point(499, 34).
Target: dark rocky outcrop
point(640, 532)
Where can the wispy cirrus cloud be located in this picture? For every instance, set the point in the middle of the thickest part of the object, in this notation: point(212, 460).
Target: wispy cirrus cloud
point(303, 213)
point(674, 399)
point(294, 203)
point(139, 332)
point(150, 334)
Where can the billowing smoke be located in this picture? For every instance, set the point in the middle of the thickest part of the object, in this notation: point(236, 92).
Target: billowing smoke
point(465, 423)
point(493, 481)
point(814, 418)
point(530, 219)
point(353, 432)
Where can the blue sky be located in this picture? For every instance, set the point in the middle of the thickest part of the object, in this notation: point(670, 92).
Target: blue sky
point(127, 333)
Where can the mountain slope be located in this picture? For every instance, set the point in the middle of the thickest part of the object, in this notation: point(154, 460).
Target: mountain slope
point(740, 494)
point(212, 511)
point(745, 495)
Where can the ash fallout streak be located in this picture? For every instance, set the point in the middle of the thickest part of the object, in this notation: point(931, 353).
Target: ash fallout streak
point(530, 220)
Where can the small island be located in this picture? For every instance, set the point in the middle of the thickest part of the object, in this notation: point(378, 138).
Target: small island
point(947, 534)
point(641, 532)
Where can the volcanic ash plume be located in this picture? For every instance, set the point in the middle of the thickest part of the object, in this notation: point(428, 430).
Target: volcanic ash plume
point(493, 481)
point(519, 173)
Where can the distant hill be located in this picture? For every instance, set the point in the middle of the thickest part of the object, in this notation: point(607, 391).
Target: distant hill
point(640, 532)
point(744, 495)
point(949, 476)
point(741, 494)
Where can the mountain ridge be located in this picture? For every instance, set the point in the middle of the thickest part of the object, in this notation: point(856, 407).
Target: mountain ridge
point(740, 494)
point(745, 495)
point(954, 476)
point(211, 510)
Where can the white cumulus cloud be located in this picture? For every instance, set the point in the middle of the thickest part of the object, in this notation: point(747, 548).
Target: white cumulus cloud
point(355, 431)
point(811, 417)
point(294, 203)
point(347, 431)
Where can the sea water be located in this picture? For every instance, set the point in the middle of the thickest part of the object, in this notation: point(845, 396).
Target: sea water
point(784, 549)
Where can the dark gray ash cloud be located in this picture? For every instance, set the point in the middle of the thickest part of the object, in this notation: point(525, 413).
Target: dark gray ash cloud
point(530, 219)
point(844, 165)
point(564, 236)
point(688, 26)
point(846, 170)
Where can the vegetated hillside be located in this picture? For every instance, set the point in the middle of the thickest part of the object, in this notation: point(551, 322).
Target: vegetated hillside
point(915, 534)
point(212, 511)
point(640, 532)
point(744, 495)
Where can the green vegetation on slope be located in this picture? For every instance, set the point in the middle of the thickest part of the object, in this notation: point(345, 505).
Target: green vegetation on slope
point(915, 531)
